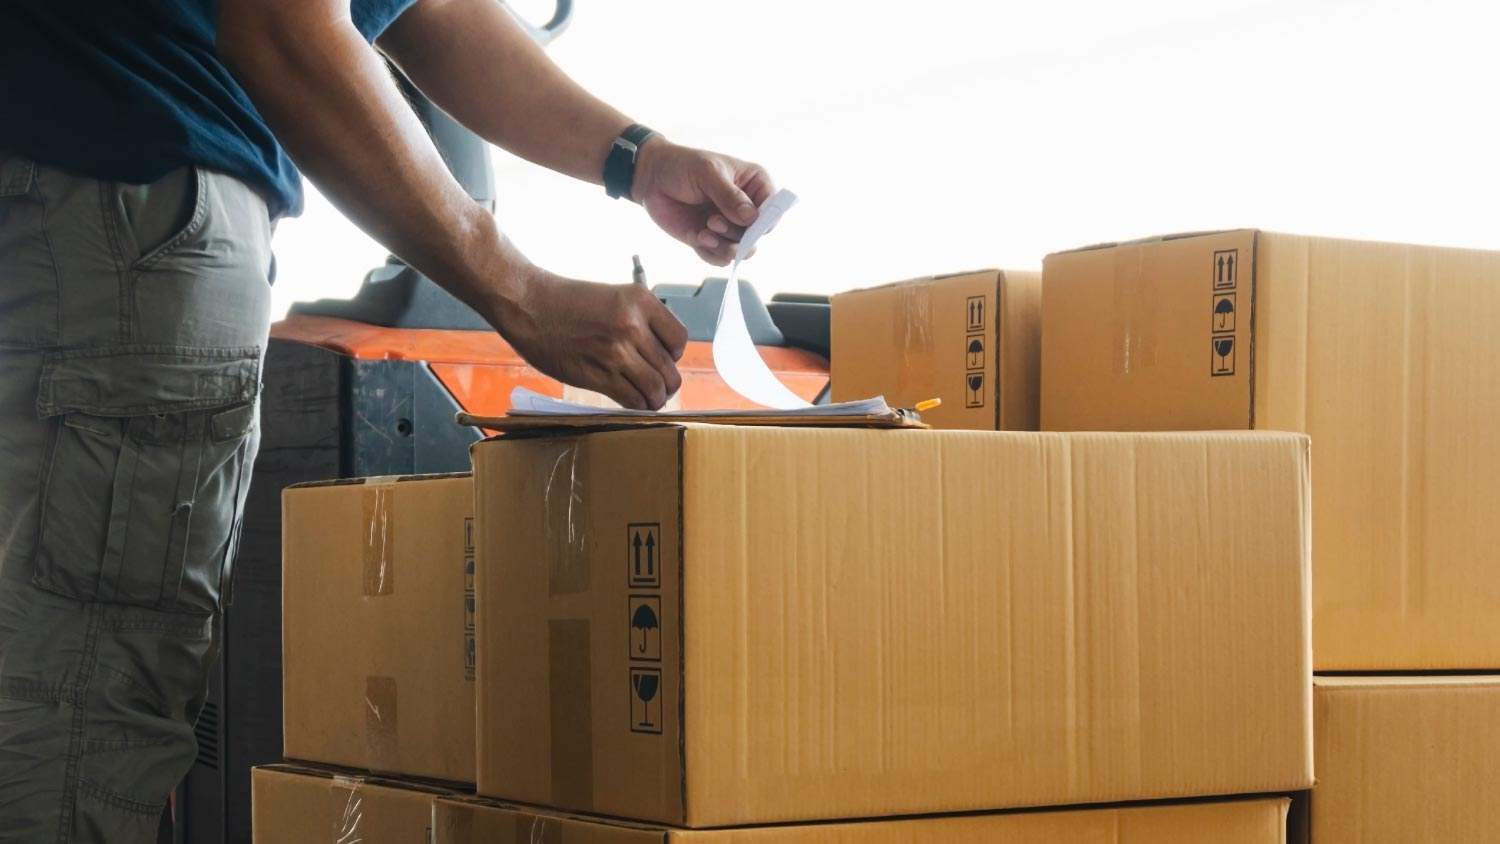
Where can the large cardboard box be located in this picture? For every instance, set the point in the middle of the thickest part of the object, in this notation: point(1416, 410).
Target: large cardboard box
point(378, 625)
point(1404, 759)
point(458, 821)
point(294, 804)
point(708, 625)
point(970, 339)
point(1384, 353)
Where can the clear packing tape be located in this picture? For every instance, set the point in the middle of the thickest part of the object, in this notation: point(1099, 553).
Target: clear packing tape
point(382, 733)
point(346, 811)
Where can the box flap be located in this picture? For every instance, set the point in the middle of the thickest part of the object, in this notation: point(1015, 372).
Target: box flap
point(465, 820)
point(1158, 238)
point(375, 479)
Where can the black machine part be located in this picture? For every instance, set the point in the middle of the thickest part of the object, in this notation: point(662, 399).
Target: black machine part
point(397, 296)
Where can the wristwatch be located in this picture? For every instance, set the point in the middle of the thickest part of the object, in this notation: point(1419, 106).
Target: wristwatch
point(619, 167)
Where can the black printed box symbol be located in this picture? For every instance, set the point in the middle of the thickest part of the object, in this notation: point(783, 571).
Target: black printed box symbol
point(974, 389)
point(1224, 311)
point(1226, 268)
point(976, 313)
point(643, 555)
point(974, 352)
point(645, 628)
point(470, 655)
point(645, 700)
point(469, 592)
point(1222, 349)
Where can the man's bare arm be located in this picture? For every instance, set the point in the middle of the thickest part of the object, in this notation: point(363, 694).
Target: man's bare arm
point(332, 103)
point(473, 60)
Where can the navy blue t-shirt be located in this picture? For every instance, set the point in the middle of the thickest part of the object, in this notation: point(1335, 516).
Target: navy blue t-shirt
point(129, 90)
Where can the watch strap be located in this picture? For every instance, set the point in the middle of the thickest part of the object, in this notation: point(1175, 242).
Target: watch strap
point(619, 165)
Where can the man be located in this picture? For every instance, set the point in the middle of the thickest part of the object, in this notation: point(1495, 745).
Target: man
point(141, 170)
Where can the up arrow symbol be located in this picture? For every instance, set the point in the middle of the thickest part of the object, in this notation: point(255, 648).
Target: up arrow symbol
point(637, 544)
point(650, 555)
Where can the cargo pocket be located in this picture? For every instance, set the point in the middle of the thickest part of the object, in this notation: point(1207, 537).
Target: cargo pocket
point(149, 463)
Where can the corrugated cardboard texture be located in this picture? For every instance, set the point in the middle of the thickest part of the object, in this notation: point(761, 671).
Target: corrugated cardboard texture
point(305, 806)
point(1380, 351)
point(1128, 336)
point(1230, 822)
point(927, 338)
point(866, 623)
point(377, 670)
point(1406, 759)
point(558, 640)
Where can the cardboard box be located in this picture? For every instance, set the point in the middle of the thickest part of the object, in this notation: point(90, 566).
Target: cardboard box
point(1383, 353)
point(971, 339)
point(300, 805)
point(1262, 821)
point(709, 625)
point(1404, 759)
point(378, 625)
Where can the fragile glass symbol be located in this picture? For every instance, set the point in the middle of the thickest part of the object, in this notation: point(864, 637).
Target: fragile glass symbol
point(644, 620)
point(975, 383)
point(645, 689)
point(1222, 348)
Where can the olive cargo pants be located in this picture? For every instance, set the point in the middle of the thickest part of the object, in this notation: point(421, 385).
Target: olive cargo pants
point(133, 321)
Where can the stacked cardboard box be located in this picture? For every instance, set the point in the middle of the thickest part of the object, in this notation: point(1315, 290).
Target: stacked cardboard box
point(1384, 354)
point(705, 627)
point(1263, 821)
point(378, 659)
point(294, 804)
point(971, 340)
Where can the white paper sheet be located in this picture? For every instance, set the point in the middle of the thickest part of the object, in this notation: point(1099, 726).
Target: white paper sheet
point(526, 402)
point(735, 356)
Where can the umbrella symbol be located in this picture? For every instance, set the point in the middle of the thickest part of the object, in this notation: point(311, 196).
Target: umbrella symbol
point(644, 619)
point(1223, 309)
point(646, 684)
point(976, 352)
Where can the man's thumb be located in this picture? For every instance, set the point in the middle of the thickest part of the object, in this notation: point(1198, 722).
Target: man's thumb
point(732, 202)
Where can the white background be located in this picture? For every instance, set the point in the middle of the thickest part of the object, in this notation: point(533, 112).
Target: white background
point(928, 137)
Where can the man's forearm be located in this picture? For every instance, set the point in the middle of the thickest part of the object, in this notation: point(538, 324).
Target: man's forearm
point(475, 62)
point(331, 101)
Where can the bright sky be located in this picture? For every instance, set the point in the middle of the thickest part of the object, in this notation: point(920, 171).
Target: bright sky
point(987, 134)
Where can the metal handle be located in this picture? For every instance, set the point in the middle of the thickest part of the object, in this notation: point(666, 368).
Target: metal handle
point(562, 15)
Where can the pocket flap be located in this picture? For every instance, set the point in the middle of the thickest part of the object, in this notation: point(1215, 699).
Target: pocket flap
point(137, 380)
point(16, 174)
point(233, 423)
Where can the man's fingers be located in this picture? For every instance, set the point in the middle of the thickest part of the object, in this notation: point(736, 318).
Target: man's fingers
point(717, 257)
point(645, 378)
point(756, 183)
point(625, 393)
point(733, 203)
point(666, 366)
point(725, 229)
point(668, 329)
